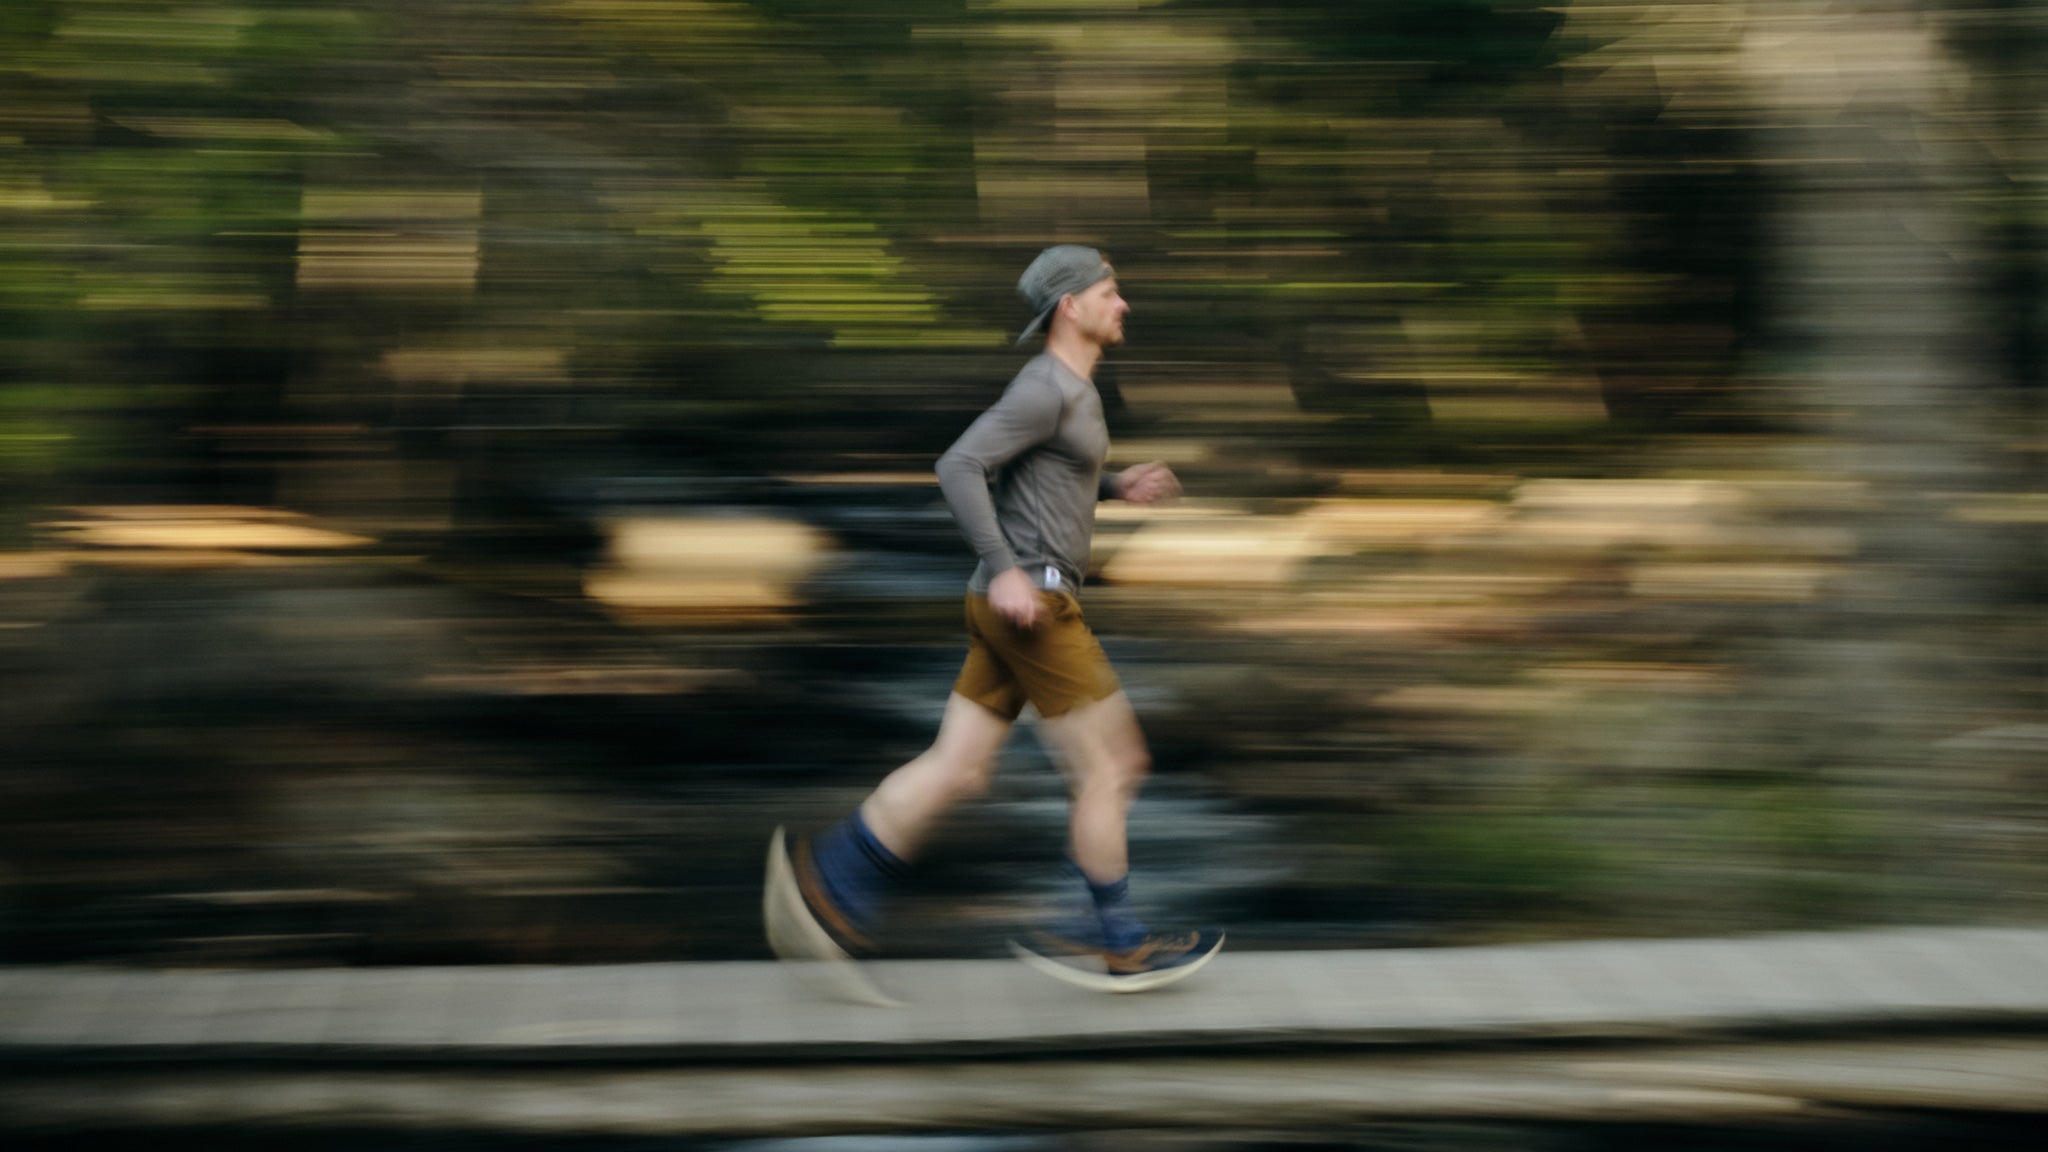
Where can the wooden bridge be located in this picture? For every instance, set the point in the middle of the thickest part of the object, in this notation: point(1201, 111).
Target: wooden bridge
point(1729, 1030)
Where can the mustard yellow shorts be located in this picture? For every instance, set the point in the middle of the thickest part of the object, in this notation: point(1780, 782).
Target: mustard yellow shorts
point(1057, 666)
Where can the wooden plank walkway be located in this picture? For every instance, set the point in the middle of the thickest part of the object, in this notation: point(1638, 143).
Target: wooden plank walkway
point(1796, 985)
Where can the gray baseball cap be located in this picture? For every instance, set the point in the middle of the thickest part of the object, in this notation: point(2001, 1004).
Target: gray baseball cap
point(1059, 272)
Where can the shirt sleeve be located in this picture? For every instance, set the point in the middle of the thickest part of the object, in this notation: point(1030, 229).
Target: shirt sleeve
point(1028, 415)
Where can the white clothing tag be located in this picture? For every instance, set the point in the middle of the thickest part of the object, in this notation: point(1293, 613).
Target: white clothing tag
point(1052, 578)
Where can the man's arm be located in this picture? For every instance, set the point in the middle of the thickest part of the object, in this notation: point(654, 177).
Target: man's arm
point(1026, 416)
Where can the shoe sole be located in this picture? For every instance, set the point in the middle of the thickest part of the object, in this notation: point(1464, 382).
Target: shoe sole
point(1120, 985)
point(802, 944)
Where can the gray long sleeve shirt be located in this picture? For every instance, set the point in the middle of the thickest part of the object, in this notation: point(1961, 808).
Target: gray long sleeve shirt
point(1024, 478)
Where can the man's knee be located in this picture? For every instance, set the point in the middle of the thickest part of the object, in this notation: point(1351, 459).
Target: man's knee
point(962, 775)
point(1130, 761)
point(1131, 768)
point(1124, 756)
point(1121, 772)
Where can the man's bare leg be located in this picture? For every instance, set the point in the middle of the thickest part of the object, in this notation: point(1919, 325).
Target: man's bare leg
point(1104, 755)
point(908, 804)
point(825, 900)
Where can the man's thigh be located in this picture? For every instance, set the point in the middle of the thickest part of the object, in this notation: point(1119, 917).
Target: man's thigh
point(970, 731)
point(1097, 739)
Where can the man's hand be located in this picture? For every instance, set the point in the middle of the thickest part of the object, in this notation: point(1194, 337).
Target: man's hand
point(1015, 599)
point(1147, 483)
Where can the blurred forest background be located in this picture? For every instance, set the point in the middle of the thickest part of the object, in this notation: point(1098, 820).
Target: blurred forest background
point(465, 466)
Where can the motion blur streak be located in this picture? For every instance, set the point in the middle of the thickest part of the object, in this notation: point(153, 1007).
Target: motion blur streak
point(467, 467)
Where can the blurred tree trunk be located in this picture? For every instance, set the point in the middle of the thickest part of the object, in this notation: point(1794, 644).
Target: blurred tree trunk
point(1883, 343)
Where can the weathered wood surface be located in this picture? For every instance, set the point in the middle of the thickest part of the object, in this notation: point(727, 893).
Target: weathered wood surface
point(1685, 990)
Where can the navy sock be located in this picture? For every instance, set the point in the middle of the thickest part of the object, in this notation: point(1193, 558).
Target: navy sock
point(857, 871)
point(1121, 928)
point(1075, 917)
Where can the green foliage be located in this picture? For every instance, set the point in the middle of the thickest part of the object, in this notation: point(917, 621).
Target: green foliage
point(1534, 863)
point(720, 174)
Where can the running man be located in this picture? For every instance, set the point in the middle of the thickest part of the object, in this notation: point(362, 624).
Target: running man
point(1022, 482)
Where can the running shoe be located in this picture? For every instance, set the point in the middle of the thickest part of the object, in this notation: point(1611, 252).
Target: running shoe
point(802, 933)
point(1158, 960)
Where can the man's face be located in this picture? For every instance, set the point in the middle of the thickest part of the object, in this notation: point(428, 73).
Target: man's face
point(1098, 313)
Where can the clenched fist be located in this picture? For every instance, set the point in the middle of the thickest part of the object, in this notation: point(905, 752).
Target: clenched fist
point(1147, 483)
